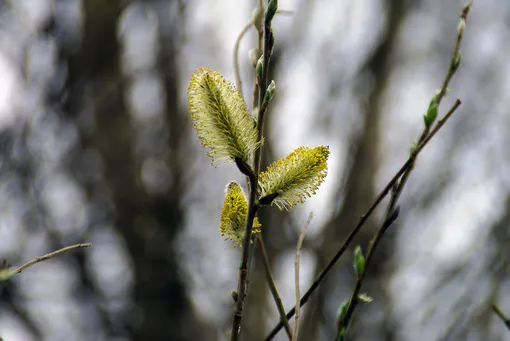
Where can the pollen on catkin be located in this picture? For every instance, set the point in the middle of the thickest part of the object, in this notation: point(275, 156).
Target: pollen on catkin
point(220, 117)
point(233, 215)
point(295, 177)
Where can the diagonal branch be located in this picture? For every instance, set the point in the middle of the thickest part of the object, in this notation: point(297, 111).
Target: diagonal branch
point(407, 165)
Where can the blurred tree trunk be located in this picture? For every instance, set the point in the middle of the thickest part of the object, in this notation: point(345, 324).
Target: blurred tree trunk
point(148, 223)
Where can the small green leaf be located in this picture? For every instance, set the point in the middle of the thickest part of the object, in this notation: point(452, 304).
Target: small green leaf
point(456, 62)
point(431, 114)
point(268, 96)
point(359, 262)
point(342, 312)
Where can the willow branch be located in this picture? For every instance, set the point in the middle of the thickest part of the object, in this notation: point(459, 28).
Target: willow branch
point(501, 315)
point(252, 204)
point(272, 287)
point(404, 171)
point(298, 256)
point(394, 180)
point(237, 72)
point(46, 257)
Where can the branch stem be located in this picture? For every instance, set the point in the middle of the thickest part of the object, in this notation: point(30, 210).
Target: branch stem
point(253, 180)
point(408, 164)
point(297, 264)
point(501, 315)
point(272, 287)
point(46, 257)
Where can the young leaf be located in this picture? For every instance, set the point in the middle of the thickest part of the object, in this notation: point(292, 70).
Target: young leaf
point(295, 177)
point(359, 262)
point(233, 214)
point(220, 117)
point(431, 114)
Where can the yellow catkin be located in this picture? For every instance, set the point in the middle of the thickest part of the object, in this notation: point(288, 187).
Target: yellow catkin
point(233, 215)
point(220, 117)
point(295, 177)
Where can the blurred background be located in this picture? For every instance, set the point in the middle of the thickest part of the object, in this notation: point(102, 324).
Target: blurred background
point(96, 146)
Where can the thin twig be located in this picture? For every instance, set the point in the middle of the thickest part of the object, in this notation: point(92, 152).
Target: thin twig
point(403, 172)
point(252, 205)
point(391, 214)
point(272, 287)
point(47, 256)
point(451, 71)
point(260, 43)
point(388, 221)
point(298, 256)
point(237, 72)
point(410, 161)
point(392, 210)
point(501, 315)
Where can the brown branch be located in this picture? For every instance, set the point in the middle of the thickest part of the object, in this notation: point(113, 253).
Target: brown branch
point(501, 315)
point(272, 287)
point(237, 75)
point(298, 256)
point(408, 164)
point(252, 205)
point(404, 172)
point(43, 258)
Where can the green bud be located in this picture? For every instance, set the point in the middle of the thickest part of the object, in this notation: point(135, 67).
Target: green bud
point(461, 25)
point(234, 295)
point(257, 18)
point(268, 96)
point(272, 7)
point(466, 9)
point(260, 67)
point(414, 145)
point(253, 55)
point(342, 312)
point(359, 262)
point(456, 62)
point(431, 114)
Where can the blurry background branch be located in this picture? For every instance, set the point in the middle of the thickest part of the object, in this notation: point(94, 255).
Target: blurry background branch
point(7, 273)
